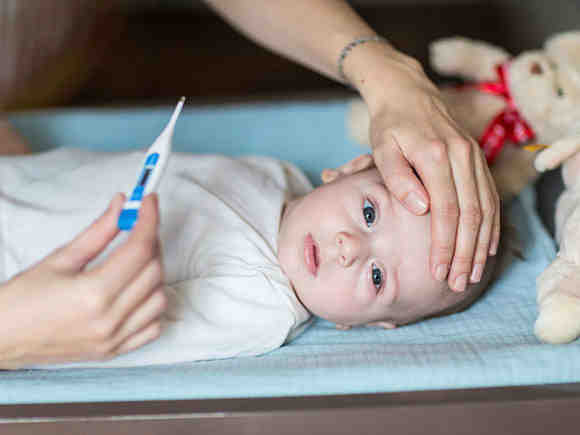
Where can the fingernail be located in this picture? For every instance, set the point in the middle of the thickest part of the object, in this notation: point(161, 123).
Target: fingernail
point(476, 273)
point(112, 201)
point(460, 283)
point(493, 249)
point(441, 272)
point(415, 203)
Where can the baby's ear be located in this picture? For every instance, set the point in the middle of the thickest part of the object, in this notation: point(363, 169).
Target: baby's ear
point(382, 324)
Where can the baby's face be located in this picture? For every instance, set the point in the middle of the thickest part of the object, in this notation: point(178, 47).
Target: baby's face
point(355, 255)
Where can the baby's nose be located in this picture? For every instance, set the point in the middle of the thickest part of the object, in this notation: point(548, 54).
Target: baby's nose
point(348, 248)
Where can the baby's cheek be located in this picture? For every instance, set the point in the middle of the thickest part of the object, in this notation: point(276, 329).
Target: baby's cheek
point(339, 290)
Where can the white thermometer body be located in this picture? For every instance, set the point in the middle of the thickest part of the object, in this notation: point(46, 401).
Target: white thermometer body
point(150, 173)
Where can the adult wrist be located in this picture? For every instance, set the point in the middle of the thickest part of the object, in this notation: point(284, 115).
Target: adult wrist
point(353, 45)
point(377, 70)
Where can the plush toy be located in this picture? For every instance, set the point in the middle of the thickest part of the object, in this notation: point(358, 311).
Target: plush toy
point(559, 285)
point(506, 103)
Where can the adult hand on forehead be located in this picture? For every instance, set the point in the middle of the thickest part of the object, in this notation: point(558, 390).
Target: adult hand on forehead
point(411, 128)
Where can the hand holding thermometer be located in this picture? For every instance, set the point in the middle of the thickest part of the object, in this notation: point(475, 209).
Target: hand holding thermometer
point(153, 166)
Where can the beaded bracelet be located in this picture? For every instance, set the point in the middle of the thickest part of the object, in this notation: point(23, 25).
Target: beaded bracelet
point(349, 47)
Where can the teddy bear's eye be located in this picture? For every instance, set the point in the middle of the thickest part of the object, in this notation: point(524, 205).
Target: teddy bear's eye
point(536, 68)
point(560, 92)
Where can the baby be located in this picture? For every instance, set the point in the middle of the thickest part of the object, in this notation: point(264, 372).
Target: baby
point(356, 256)
point(250, 249)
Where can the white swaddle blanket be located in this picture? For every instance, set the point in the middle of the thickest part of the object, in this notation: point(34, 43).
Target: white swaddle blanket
point(219, 226)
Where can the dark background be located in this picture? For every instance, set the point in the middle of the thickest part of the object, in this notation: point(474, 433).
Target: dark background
point(87, 53)
point(169, 48)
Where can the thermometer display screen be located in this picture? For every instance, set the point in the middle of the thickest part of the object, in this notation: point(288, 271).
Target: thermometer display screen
point(145, 177)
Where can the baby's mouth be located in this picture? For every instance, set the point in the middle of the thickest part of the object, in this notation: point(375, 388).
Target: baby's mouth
point(311, 254)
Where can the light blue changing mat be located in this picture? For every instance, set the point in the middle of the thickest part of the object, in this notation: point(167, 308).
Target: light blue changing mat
point(491, 344)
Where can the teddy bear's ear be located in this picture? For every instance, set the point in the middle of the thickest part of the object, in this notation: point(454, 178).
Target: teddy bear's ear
point(565, 48)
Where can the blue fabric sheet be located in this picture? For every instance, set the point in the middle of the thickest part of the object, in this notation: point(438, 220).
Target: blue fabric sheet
point(491, 344)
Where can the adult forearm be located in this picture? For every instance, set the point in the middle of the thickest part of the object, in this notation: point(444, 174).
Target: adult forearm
point(311, 32)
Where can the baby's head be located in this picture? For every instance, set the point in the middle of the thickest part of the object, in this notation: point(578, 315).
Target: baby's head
point(356, 256)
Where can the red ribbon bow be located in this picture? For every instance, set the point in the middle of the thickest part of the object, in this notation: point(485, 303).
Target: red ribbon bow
point(508, 124)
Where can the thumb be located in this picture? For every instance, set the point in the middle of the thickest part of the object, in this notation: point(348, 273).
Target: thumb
point(402, 181)
point(86, 246)
point(360, 163)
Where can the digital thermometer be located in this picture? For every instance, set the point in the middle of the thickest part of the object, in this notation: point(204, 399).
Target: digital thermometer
point(150, 173)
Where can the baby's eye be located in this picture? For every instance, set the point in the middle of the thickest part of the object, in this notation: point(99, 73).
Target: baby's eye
point(377, 276)
point(369, 213)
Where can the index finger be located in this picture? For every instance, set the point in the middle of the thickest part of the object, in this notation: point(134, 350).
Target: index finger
point(129, 259)
point(436, 173)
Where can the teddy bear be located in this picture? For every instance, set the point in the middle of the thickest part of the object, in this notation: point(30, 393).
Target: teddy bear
point(508, 102)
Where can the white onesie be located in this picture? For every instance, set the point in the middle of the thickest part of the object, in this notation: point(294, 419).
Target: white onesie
point(219, 228)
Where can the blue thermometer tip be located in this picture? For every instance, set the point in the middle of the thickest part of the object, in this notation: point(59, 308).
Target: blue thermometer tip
point(127, 219)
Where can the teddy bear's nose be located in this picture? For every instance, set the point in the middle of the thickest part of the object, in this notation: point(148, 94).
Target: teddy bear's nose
point(536, 68)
